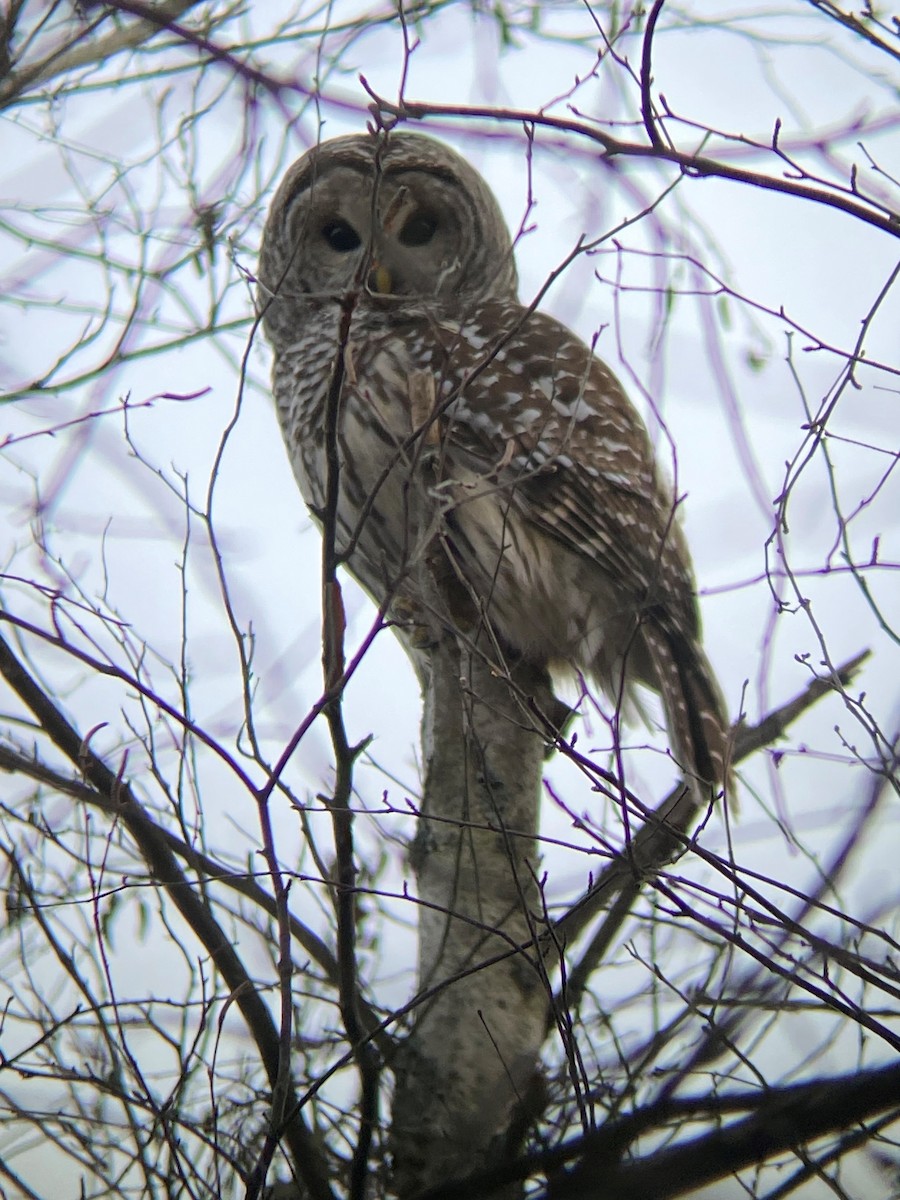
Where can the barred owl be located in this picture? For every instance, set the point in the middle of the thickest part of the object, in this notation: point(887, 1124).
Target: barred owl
point(388, 291)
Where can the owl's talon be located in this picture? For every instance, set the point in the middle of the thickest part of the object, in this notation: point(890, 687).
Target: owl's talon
point(418, 636)
point(406, 617)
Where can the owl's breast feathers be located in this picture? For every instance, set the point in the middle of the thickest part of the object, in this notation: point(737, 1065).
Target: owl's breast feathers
point(551, 503)
point(520, 404)
point(524, 405)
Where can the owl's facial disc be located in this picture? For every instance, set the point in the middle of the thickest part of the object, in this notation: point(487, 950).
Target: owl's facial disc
point(419, 240)
point(406, 220)
point(402, 249)
point(394, 220)
point(399, 232)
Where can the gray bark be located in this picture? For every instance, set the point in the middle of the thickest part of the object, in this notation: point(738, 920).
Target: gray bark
point(471, 1055)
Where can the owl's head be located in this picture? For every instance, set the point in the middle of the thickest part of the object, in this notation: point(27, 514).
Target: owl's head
point(396, 218)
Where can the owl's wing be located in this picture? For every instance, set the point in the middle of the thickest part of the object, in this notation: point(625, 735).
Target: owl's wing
point(548, 424)
point(545, 422)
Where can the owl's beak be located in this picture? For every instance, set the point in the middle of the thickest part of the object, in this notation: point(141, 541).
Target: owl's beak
point(380, 280)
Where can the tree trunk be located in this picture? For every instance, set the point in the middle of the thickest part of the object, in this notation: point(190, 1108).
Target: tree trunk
point(472, 1052)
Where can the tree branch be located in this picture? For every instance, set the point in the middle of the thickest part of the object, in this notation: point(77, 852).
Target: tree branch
point(779, 1119)
point(162, 864)
point(844, 199)
point(658, 839)
point(81, 52)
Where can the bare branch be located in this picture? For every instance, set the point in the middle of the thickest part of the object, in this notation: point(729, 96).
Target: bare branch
point(164, 868)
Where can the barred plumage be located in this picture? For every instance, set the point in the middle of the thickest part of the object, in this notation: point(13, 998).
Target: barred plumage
point(387, 268)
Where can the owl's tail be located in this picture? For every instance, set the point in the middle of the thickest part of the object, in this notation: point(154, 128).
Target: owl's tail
point(698, 726)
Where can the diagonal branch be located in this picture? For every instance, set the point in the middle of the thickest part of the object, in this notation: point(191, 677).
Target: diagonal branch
point(83, 52)
point(163, 866)
point(659, 839)
point(785, 1119)
point(773, 1120)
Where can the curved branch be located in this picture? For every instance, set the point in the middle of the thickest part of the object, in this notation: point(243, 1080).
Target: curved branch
point(647, 77)
point(844, 199)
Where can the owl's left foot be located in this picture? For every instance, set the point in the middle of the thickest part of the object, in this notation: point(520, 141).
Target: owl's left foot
point(407, 618)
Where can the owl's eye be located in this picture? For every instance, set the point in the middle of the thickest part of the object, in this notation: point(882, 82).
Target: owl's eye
point(418, 230)
point(341, 237)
